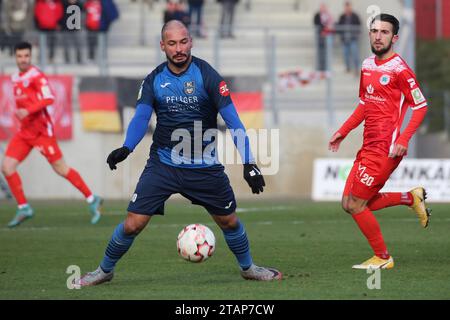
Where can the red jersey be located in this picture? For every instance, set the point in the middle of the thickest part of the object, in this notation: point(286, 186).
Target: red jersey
point(387, 89)
point(32, 92)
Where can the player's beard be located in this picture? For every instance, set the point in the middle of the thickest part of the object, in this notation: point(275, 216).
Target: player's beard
point(23, 66)
point(180, 64)
point(381, 51)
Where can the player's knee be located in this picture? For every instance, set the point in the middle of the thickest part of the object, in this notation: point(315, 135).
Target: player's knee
point(60, 170)
point(227, 222)
point(134, 226)
point(7, 169)
point(354, 207)
point(4, 170)
point(346, 207)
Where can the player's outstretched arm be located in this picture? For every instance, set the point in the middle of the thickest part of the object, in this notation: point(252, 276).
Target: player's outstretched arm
point(136, 131)
point(252, 174)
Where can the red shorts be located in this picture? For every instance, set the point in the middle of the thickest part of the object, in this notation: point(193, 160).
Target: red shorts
point(19, 148)
point(369, 173)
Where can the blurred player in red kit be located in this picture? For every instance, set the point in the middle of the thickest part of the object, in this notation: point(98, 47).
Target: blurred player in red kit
point(33, 95)
point(388, 87)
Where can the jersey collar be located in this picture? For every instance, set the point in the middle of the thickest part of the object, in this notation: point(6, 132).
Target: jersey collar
point(381, 62)
point(181, 73)
point(21, 73)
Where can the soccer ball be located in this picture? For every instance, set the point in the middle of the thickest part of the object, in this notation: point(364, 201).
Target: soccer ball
point(196, 243)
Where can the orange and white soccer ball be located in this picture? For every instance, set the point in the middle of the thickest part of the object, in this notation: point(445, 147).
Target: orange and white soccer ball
point(196, 243)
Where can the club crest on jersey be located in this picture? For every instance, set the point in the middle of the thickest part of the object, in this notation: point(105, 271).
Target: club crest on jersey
point(370, 89)
point(384, 79)
point(189, 87)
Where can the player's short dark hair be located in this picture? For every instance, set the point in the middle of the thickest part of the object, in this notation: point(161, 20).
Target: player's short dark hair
point(22, 45)
point(388, 18)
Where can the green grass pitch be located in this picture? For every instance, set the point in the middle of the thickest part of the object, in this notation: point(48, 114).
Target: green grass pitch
point(313, 244)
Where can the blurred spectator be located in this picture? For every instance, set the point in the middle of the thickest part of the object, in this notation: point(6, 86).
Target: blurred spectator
point(349, 29)
point(227, 18)
point(150, 3)
point(71, 37)
point(15, 20)
point(47, 15)
point(2, 28)
point(93, 10)
point(100, 14)
point(110, 13)
point(196, 8)
point(176, 10)
point(323, 22)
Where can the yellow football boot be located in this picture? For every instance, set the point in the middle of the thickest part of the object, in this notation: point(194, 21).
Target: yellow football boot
point(419, 207)
point(376, 263)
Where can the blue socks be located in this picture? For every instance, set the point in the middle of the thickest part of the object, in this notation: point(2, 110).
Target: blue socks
point(117, 247)
point(238, 243)
point(120, 243)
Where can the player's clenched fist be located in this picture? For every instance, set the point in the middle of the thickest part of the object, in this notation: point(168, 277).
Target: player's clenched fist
point(117, 156)
point(398, 151)
point(335, 141)
point(254, 178)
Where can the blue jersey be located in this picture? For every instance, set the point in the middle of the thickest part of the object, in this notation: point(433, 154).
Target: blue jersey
point(190, 100)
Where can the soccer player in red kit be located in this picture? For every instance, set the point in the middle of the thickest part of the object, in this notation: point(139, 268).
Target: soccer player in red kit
point(388, 87)
point(33, 95)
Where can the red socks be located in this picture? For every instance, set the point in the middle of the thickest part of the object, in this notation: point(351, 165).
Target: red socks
point(15, 185)
point(389, 199)
point(369, 226)
point(74, 177)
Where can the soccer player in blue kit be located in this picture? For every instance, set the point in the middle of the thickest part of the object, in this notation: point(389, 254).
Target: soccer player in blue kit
point(181, 91)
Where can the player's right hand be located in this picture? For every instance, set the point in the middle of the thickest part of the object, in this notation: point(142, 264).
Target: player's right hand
point(335, 142)
point(117, 156)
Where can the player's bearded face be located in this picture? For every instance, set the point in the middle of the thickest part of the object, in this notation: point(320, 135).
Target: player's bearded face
point(379, 48)
point(23, 59)
point(381, 37)
point(177, 47)
point(179, 59)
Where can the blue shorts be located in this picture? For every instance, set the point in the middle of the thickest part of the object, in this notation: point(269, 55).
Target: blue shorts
point(208, 187)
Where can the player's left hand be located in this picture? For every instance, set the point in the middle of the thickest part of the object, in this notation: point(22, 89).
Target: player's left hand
point(398, 151)
point(254, 178)
point(22, 113)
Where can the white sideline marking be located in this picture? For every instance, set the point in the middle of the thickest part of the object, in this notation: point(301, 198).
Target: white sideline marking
point(263, 209)
point(211, 224)
point(28, 228)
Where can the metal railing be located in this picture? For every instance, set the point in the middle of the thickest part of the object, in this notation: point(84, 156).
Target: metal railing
point(272, 46)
